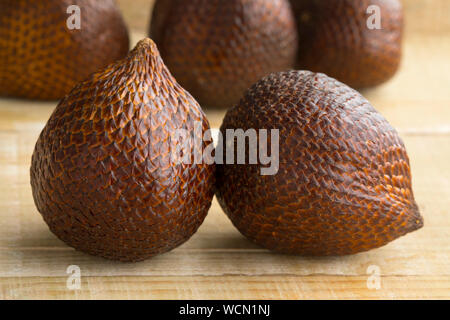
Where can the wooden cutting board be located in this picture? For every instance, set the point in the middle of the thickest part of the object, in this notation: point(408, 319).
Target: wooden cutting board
point(219, 263)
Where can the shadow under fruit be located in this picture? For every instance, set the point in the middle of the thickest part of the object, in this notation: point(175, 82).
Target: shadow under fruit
point(344, 181)
point(102, 174)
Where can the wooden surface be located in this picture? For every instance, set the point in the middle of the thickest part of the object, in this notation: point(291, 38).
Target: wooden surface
point(220, 263)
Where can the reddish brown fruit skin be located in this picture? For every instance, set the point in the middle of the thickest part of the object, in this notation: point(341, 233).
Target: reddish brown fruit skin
point(334, 39)
point(102, 173)
point(40, 58)
point(217, 49)
point(344, 182)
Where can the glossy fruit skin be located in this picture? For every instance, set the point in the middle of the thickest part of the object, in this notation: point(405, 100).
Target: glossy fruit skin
point(217, 49)
point(102, 173)
point(40, 58)
point(344, 182)
point(334, 39)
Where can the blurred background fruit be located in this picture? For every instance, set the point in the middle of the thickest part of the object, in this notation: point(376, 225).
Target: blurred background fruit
point(217, 49)
point(40, 58)
point(341, 39)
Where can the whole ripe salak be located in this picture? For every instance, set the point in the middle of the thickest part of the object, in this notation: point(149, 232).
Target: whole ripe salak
point(217, 49)
point(358, 42)
point(42, 58)
point(344, 182)
point(103, 173)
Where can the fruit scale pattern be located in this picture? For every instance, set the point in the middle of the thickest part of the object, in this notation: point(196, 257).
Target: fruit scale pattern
point(40, 58)
point(335, 39)
point(344, 182)
point(102, 173)
point(216, 49)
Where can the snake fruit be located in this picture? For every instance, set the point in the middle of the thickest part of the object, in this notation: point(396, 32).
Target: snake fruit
point(42, 58)
point(344, 182)
point(358, 42)
point(217, 49)
point(102, 173)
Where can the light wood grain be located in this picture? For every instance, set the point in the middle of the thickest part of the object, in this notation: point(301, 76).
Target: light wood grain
point(218, 262)
point(227, 287)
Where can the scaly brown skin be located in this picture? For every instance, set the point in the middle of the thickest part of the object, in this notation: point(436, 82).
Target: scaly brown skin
point(103, 173)
point(344, 182)
point(334, 39)
point(217, 49)
point(40, 58)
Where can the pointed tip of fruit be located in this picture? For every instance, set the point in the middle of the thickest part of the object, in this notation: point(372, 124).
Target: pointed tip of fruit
point(413, 220)
point(147, 45)
point(416, 221)
point(419, 223)
point(145, 59)
point(146, 42)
